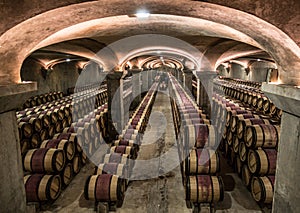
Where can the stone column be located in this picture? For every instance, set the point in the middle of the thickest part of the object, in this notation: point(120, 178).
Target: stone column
point(145, 83)
point(115, 100)
point(287, 187)
point(12, 193)
point(136, 86)
point(188, 77)
point(180, 77)
point(206, 91)
point(198, 91)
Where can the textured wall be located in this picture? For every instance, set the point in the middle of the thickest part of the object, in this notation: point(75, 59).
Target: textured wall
point(62, 77)
point(258, 71)
point(12, 12)
point(283, 14)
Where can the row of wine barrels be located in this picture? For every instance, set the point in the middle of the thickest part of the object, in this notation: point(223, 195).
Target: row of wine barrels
point(204, 189)
point(253, 137)
point(42, 99)
point(202, 161)
point(254, 98)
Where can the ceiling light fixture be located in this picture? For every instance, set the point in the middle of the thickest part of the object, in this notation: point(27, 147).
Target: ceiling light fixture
point(68, 60)
point(142, 14)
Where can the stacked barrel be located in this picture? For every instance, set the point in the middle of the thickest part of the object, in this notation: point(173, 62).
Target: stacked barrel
point(110, 179)
point(55, 155)
point(42, 99)
point(196, 141)
point(250, 125)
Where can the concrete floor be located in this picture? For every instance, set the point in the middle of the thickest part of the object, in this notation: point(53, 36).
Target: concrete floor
point(157, 185)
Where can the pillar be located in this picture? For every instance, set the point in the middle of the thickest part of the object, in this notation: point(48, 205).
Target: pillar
point(188, 80)
point(145, 82)
point(287, 187)
point(180, 76)
point(115, 101)
point(198, 91)
point(136, 86)
point(12, 193)
point(206, 88)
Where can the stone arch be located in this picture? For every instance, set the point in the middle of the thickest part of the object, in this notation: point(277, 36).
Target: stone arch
point(20, 40)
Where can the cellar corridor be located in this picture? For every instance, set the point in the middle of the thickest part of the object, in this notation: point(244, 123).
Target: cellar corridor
point(155, 190)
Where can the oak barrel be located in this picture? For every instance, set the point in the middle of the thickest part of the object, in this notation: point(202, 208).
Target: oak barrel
point(125, 150)
point(118, 169)
point(242, 124)
point(40, 187)
point(104, 188)
point(261, 135)
point(262, 189)
point(44, 160)
point(204, 189)
point(67, 174)
point(246, 175)
point(199, 136)
point(202, 161)
point(262, 161)
point(67, 146)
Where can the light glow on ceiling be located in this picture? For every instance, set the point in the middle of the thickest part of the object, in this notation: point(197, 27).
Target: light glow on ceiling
point(142, 14)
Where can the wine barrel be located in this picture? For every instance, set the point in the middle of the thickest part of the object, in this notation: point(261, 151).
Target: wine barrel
point(25, 145)
point(112, 168)
point(236, 118)
point(199, 136)
point(262, 161)
point(238, 166)
point(44, 160)
point(104, 188)
point(119, 158)
point(262, 189)
point(74, 138)
point(242, 124)
point(125, 150)
point(204, 189)
point(235, 144)
point(67, 174)
point(123, 142)
point(130, 136)
point(261, 135)
point(44, 134)
point(76, 164)
point(234, 112)
point(243, 151)
point(36, 123)
point(260, 102)
point(25, 130)
point(35, 140)
point(202, 161)
point(51, 131)
point(40, 187)
point(67, 146)
point(246, 175)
